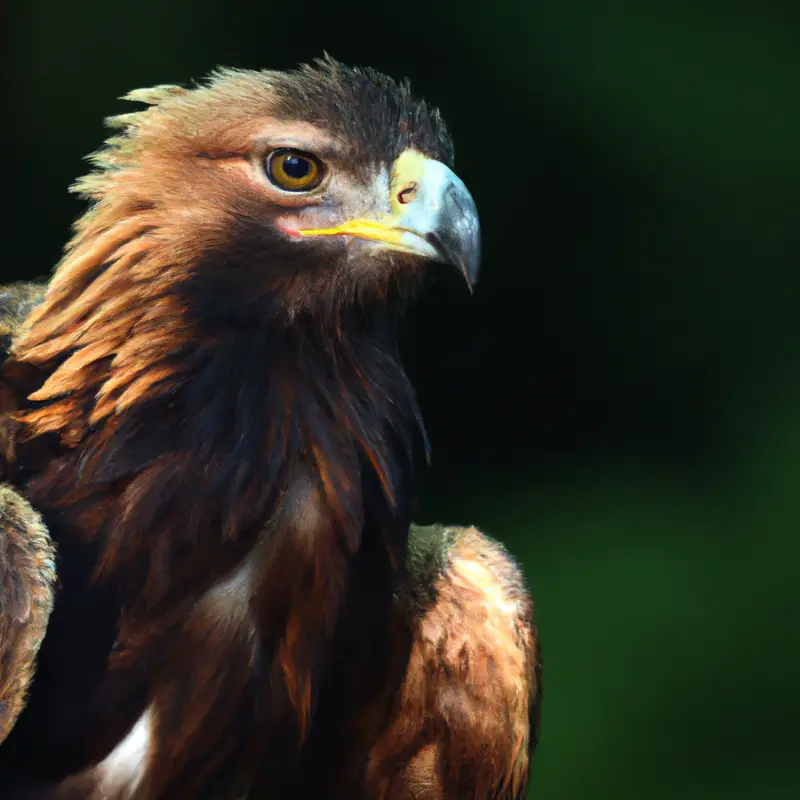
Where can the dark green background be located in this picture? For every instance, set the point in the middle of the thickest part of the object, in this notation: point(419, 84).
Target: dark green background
point(619, 399)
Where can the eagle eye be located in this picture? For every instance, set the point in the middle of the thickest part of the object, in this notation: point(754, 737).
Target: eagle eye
point(293, 170)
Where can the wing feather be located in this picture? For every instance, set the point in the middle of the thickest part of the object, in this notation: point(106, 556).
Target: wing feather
point(466, 721)
point(27, 557)
point(27, 579)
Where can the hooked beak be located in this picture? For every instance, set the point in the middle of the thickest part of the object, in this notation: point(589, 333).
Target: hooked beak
point(433, 216)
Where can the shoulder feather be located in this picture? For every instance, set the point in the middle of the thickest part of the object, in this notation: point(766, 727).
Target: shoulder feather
point(466, 719)
point(17, 301)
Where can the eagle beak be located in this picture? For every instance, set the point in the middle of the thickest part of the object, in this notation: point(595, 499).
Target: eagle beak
point(433, 216)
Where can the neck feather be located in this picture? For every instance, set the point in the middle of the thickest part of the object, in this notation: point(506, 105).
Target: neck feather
point(172, 434)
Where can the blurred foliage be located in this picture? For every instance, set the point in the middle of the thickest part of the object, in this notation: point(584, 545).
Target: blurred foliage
point(619, 401)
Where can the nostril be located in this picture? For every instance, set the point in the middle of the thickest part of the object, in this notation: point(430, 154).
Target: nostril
point(407, 194)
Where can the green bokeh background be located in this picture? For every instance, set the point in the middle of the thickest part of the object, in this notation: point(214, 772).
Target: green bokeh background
point(619, 399)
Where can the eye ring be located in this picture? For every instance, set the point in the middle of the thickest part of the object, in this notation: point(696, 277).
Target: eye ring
point(293, 170)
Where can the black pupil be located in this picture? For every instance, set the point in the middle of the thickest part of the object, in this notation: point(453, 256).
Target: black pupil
point(296, 167)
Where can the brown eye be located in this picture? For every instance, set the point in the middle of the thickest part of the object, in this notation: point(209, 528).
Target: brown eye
point(293, 170)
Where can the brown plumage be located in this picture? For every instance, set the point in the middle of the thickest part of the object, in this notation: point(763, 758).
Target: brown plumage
point(27, 560)
point(466, 718)
point(208, 410)
point(27, 577)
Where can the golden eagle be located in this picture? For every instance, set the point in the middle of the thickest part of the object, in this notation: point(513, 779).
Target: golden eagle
point(205, 413)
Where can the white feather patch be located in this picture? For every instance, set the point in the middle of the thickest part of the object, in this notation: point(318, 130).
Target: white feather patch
point(122, 770)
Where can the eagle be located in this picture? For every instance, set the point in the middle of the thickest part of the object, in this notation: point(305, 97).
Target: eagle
point(210, 582)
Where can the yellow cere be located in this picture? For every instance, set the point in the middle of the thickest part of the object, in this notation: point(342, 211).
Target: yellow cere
point(406, 173)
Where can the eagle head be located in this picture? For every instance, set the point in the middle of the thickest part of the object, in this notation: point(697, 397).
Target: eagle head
point(283, 193)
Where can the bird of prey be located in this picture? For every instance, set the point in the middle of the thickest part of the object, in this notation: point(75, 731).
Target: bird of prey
point(204, 412)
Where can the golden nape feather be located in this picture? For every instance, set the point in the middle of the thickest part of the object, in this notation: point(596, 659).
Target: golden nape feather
point(207, 408)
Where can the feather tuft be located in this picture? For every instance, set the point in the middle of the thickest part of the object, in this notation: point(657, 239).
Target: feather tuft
point(154, 95)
